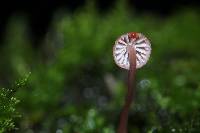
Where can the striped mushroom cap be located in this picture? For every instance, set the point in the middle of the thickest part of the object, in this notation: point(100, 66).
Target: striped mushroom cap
point(142, 48)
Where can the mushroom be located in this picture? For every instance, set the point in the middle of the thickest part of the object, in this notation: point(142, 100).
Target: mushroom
point(141, 45)
point(131, 51)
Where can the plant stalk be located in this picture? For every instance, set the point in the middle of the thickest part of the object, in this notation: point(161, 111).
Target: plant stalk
point(122, 128)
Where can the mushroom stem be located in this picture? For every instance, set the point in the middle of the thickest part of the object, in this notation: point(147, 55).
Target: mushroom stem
point(122, 128)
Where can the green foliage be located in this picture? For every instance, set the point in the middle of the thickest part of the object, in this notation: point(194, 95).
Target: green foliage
point(8, 103)
point(76, 87)
point(7, 109)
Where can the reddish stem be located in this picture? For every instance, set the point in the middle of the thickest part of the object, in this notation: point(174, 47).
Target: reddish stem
point(122, 128)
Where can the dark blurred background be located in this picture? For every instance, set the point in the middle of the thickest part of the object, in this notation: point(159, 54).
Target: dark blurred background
point(57, 72)
point(40, 13)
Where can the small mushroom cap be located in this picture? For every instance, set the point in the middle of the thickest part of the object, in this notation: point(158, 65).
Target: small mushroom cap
point(142, 47)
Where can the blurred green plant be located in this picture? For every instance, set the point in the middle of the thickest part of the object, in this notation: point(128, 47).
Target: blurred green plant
point(76, 87)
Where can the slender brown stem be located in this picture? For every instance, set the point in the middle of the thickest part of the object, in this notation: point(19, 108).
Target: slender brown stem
point(122, 128)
